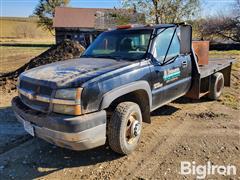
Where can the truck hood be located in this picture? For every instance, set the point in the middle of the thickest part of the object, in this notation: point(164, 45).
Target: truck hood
point(71, 73)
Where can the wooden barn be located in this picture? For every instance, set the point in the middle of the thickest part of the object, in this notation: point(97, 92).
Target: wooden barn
point(85, 24)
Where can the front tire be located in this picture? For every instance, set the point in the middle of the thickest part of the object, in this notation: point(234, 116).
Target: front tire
point(125, 128)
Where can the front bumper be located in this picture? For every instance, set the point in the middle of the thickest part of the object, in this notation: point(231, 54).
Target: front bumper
point(72, 132)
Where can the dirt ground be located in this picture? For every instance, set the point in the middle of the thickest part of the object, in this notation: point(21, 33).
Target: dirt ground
point(184, 130)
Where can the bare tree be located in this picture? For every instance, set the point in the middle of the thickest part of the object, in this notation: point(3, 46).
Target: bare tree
point(236, 8)
point(114, 17)
point(222, 26)
point(165, 11)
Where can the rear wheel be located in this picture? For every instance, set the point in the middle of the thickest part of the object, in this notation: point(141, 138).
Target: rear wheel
point(125, 128)
point(216, 86)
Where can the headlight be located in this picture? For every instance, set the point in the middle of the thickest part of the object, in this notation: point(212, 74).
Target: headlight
point(66, 94)
point(67, 109)
point(67, 101)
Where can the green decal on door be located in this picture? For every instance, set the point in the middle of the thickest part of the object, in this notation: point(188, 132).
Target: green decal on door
point(171, 74)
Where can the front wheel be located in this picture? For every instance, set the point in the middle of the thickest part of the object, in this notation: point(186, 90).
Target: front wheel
point(125, 128)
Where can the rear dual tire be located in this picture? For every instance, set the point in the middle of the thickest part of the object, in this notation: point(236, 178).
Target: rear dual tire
point(216, 86)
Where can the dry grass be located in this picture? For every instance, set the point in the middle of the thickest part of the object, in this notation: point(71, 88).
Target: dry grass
point(231, 95)
point(230, 53)
point(12, 58)
point(12, 28)
point(27, 39)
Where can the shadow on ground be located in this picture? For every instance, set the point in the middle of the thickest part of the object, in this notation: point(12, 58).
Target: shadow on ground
point(12, 133)
point(169, 109)
point(6, 114)
point(186, 100)
point(48, 159)
point(165, 111)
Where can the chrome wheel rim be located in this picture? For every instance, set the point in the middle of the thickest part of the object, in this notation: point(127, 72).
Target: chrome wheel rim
point(133, 128)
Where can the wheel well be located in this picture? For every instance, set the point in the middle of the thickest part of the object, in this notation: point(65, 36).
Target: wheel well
point(139, 97)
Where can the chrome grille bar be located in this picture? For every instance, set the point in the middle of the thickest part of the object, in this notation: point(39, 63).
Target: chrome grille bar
point(32, 96)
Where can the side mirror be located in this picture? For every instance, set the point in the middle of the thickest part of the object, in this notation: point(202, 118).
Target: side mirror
point(186, 39)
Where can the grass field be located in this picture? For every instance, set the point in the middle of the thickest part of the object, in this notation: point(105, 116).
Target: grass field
point(27, 41)
point(234, 53)
point(21, 40)
point(231, 96)
point(23, 30)
point(12, 58)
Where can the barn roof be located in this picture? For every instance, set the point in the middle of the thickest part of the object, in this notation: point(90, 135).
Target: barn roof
point(75, 17)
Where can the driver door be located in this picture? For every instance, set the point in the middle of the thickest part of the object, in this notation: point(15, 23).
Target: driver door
point(168, 71)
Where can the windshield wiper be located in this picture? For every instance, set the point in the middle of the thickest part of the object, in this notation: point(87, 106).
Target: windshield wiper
point(86, 56)
point(99, 56)
point(116, 57)
point(107, 56)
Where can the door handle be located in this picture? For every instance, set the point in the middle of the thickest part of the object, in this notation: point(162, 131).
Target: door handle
point(157, 71)
point(184, 63)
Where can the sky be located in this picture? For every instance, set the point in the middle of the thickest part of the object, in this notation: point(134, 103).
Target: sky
point(24, 8)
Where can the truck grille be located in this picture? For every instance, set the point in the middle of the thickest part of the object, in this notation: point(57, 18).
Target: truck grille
point(38, 90)
point(36, 105)
point(43, 90)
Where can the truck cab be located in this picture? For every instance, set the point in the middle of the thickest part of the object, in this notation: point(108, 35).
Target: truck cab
point(105, 95)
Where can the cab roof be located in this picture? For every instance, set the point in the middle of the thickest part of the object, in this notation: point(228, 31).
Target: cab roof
point(142, 27)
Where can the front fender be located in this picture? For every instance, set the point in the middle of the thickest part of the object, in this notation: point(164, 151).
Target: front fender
point(112, 95)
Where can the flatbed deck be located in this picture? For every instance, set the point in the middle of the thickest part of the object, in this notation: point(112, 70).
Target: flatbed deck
point(202, 77)
point(214, 65)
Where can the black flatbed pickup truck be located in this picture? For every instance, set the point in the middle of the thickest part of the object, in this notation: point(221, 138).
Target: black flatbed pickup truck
point(105, 95)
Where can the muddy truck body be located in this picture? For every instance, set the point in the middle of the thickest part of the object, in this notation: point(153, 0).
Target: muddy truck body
point(105, 95)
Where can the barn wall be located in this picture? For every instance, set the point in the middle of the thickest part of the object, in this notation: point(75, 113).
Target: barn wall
point(83, 36)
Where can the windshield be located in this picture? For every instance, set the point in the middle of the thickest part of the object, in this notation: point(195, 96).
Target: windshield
point(120, 44)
